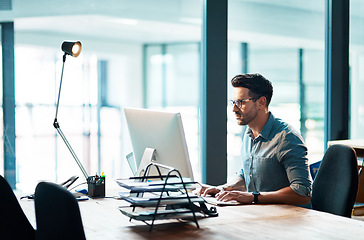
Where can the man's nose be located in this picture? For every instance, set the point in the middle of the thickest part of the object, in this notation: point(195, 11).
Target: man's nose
point(235, 108)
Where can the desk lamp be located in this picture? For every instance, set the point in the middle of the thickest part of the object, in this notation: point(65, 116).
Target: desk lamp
point(96, 184)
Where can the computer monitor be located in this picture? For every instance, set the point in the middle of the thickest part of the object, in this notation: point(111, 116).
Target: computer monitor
point(162, 131)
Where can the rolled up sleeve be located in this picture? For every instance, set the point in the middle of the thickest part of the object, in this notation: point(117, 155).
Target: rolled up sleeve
point(296, 164)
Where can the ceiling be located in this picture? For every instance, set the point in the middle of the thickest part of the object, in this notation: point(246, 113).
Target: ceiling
point(114, 20)
point(147, 21)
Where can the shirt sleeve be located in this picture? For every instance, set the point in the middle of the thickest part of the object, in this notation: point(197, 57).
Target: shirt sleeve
point(294, 160)
point(241, 174)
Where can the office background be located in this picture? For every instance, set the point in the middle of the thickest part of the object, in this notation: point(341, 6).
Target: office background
point(152, 54)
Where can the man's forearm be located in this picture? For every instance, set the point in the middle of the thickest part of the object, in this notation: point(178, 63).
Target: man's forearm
point(284, 196)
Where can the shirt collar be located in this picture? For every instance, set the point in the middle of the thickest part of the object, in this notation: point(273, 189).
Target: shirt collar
point(266, 129)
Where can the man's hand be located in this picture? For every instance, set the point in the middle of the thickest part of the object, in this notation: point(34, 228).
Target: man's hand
point(237, 183)
point(239, 196)
point(208, 190)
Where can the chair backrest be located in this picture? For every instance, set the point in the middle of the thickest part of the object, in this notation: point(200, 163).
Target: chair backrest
point(336, 184)
point(13, 222)
point(57, 213)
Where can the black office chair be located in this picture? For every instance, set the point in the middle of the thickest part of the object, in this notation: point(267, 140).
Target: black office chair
point(57, 213)
point(13, 222)
point(336, 184)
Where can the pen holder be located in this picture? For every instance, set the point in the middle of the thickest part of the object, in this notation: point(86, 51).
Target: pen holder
point(96, 186)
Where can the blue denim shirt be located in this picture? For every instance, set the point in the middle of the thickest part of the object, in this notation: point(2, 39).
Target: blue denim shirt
point(275, 159)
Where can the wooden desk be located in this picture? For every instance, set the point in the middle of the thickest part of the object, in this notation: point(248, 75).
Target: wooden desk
point(358, 146)
point(102, 220)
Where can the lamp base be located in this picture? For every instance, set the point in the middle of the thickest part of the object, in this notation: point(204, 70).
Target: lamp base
point(96, 186)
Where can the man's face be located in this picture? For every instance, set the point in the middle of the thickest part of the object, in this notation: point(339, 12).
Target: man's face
point(248, 110)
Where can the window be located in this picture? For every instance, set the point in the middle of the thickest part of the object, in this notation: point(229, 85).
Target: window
point(107, 76)
point(1, 109)
point(356, 60)
point(146, 54)
point(284, 41)
point(172, 82)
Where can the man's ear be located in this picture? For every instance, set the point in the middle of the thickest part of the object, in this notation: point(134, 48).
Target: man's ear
point(262, 102)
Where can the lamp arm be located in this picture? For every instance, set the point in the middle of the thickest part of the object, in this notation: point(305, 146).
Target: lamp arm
point(70, 148)
point(56, 125)
point(60, 86)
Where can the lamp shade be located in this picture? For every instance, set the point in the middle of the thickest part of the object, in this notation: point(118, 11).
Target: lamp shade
point(72, 48)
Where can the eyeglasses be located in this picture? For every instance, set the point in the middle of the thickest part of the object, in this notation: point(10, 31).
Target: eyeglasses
point(239, 103)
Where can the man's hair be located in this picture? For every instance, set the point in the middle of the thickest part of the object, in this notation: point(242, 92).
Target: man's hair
point(258, 85)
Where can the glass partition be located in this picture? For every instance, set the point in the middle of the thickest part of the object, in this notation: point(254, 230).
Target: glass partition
point(284, 41)
point(356, 60)
point(93, 95)
point(151, 56)
point(172, 82)
point(1, 108)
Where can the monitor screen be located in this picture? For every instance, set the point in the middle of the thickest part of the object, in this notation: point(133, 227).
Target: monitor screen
point(162, 131)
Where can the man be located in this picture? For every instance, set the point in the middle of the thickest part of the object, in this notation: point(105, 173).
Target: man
point(274, 162)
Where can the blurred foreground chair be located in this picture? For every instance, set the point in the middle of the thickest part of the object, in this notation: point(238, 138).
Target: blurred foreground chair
point(57, 213)
point(13, 222)
point(336, 183)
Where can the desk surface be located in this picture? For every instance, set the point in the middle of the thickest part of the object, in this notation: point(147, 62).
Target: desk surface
point(102, 220)
point(356, 144)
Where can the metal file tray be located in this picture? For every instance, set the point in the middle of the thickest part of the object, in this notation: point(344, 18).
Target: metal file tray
point(135, 185)
point(181, 213)
point(166, 198)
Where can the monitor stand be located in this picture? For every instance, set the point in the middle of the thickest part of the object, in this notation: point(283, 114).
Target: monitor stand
point(148, 157)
